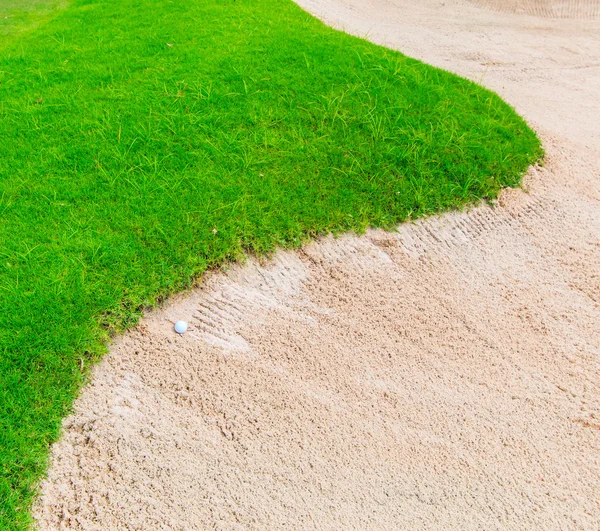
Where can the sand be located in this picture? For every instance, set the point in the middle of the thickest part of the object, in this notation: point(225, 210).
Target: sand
point(442, 377)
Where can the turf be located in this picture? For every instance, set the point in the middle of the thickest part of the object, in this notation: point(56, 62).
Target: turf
point(143, 142)
point(20, 16)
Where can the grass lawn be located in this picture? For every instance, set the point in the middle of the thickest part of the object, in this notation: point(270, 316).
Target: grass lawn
point(19, 16)
point(143, 142)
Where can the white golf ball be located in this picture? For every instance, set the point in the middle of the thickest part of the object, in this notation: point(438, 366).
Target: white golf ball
point(181, 327)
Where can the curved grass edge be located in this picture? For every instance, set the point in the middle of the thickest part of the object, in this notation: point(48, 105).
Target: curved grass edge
point(125, 309)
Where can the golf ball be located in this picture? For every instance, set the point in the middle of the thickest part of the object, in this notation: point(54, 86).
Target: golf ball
point(181, 327)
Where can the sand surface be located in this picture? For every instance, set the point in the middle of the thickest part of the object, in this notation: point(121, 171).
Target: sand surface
point(442, 377)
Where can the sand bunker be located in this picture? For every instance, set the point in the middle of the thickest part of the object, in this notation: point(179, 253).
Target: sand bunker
point(442, 377)
point(545, 8)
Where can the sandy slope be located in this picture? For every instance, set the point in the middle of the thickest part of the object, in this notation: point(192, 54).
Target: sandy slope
point(443, 377)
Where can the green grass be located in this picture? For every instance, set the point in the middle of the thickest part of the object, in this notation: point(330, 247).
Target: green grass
point(19, 16)
point(143, 142)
